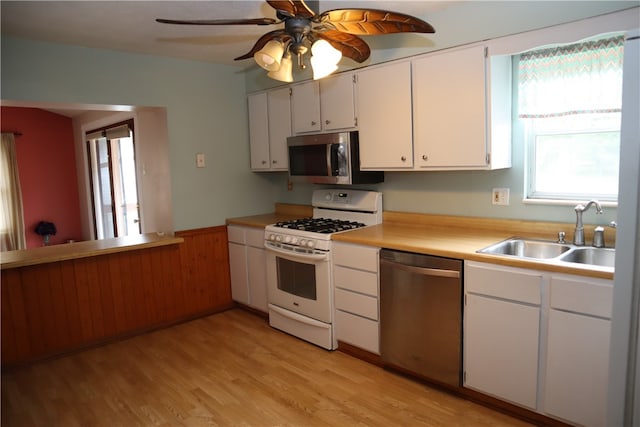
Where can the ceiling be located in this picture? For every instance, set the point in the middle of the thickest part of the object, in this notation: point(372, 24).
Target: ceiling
point(130, 25)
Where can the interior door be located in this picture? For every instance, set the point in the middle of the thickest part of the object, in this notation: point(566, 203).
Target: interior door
point(114, 184)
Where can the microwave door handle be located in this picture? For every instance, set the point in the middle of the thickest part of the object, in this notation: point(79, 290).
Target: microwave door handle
point(331, 154)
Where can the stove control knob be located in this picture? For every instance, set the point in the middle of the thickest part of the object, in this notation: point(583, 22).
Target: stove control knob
point(271, 237)
point(278, 238)
point(311, 243)
point(294, 240)
point(303, 242)
point(287, 239)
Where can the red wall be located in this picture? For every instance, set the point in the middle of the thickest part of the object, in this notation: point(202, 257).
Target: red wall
point(47, 168)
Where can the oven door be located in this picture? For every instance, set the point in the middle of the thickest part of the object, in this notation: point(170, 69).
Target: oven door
point(300, 283)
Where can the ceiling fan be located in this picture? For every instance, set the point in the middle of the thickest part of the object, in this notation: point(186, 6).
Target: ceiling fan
point(330, 35)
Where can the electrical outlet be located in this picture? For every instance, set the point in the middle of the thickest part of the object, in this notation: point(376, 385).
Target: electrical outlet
point(500, 196)
point(200, 160)
point(290, 185)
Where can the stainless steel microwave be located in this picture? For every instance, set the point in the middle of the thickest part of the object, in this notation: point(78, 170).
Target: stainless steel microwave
point(328, 158)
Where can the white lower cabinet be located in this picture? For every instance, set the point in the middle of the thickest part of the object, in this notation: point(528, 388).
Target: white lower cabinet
point(539, 340)
point(355, 275)
point(577, 362)
point(501, 330)
point(248, 266)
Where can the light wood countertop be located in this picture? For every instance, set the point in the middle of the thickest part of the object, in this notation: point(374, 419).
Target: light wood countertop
point(283, 212)
point(89, 248)
point(462, 237)
point(450, 236)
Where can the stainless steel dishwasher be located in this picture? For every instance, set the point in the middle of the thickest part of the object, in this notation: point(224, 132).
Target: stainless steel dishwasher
point(421, 315)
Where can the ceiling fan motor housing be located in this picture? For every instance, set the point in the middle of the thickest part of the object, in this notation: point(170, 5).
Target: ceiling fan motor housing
point(298, 29)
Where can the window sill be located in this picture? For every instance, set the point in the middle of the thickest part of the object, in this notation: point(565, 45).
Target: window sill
point(555, 202)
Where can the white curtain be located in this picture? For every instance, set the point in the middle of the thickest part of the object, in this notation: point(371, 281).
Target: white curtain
point(11, 214)
point(552, 81)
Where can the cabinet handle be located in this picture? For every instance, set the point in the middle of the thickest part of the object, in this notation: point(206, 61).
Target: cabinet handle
point(326, 122)
point(403, 158)
point(425, 157)
point(274, 161)
point(264, 162)
point(313, 123)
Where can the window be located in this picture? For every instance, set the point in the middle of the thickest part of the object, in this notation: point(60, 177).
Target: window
point(569, 98)
point(12, 235)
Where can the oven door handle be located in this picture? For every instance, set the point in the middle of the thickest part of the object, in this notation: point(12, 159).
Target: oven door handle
point(298, 317)
point(290, 254)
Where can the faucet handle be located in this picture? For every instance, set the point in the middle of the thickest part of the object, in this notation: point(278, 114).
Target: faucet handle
point(561, 236)
point(598, 237)
point(613, 224)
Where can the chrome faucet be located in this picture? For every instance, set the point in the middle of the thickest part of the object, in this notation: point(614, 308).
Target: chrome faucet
point(578, 236)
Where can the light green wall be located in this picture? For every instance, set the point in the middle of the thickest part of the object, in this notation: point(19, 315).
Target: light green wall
point(206, 109)
point(461, 23)
point(467, 193)
point(206, 112)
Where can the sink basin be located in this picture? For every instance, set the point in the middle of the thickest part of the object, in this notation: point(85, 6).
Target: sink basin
point(549, 251)
point(527, 248)
point(594, 256)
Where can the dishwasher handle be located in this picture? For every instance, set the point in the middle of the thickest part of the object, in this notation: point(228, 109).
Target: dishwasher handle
point(422, 270)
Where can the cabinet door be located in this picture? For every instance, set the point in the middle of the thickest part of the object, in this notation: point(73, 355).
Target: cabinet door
point(238, 272)
point(337, 107)
point(449, 109)
point(501, 349)
point(257, 275)
point(259, 131)
point(577, 368)
point(279, 105)
point(384, 117)
point(305, 107)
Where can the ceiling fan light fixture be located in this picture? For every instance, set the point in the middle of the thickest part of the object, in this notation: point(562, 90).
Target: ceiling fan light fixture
point(330, 35)
point(324, 59)
point(270, 56)
point(321, 69)
point(284, 73)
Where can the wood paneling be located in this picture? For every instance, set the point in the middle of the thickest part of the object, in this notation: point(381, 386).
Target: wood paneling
point(54, 308)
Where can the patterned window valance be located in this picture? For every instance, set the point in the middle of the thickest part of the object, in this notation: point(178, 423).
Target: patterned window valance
point(580, 78)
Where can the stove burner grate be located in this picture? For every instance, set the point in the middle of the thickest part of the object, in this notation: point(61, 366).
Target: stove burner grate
point(320, 225)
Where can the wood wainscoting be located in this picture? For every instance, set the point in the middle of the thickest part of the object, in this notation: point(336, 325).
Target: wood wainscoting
point(56, 308)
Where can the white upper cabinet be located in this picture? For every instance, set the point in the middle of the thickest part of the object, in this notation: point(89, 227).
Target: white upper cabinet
point(384, 117)
point(325, 105)
point(269, 128)
point(337, 106)
point(279, 105)
point(305, 107)
point(259, 131)
point(461, 113)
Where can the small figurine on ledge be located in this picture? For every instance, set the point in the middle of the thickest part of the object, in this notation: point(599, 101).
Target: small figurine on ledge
point(46, 230)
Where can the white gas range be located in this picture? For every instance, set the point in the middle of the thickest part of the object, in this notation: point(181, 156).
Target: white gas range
point(299, 277)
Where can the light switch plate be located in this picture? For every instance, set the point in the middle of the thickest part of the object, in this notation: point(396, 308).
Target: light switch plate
point(199, 160)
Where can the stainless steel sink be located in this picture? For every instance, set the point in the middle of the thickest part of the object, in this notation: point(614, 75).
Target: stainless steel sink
point(549, 251)
point(527, 248)
point(594, 256)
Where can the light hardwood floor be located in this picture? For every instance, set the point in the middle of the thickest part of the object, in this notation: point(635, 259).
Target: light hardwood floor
point(227, 369)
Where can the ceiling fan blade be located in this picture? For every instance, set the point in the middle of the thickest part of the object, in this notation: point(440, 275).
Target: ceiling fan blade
point(277, 34)
point(296, 8)
point(252, 21)
point(350, 45)
point(371, 22)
